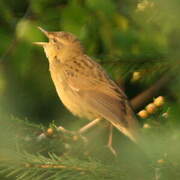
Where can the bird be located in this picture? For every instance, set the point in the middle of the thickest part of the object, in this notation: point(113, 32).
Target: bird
point(85, 88)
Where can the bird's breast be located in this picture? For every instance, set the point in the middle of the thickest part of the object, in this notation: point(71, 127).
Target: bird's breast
point(71, 98)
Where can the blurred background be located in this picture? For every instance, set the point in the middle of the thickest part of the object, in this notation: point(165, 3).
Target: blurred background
point(136, 41)
point(124, 36)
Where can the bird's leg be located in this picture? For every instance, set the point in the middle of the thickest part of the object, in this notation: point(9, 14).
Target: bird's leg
point(89, 125)
point(82, 130)
point(75, 135)
point(110, 140)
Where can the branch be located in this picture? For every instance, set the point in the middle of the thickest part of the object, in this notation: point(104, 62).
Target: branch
point(149, 93)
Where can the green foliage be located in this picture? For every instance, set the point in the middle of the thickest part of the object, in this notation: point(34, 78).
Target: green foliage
point(124, 37)
point(39, 167)
point(29, 152)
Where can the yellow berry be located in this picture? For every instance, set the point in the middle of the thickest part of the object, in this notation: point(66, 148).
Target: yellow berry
point(151, 108)
point(165, 115)
point(143, 114)
point(160, 161)
point(144, 4)
point(75, 138)
point(136, 76)
point(159, 101)
point(50, 131)
point(146, 126)
point(41, 137)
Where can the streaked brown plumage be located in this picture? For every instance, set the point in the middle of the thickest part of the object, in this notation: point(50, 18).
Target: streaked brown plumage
point(84, 87)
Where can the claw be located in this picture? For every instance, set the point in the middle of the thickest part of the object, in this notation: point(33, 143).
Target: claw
point(112, 150)
point(62, 129)
point(85, 140)
point(75, 135)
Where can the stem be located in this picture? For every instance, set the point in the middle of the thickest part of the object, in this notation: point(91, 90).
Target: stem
point(149, 93)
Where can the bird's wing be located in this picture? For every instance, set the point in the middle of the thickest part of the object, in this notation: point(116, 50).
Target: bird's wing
point(100, 93)
point(82, 73)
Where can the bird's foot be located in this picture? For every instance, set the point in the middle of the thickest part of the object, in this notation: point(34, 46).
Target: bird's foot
point(112, 150)
point(78, 136)
point(65, 131)
point(75, 135)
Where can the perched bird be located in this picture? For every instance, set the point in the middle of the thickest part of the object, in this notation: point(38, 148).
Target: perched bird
point(84, 87)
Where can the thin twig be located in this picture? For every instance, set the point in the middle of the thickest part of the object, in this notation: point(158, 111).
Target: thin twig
point(149, 93)
point(55, 166)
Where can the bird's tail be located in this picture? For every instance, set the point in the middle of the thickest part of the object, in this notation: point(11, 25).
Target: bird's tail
point(132, 130)
point(133, 134)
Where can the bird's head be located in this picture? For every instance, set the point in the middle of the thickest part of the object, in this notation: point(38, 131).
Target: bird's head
point(61, 44)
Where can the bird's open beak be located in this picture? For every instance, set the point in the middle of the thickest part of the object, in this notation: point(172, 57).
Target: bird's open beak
point(40, 43)
point(46, 33)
